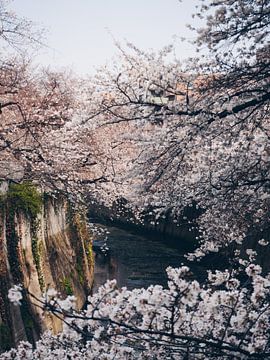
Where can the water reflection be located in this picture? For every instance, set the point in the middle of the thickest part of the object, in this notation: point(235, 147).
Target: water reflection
point(133, 260)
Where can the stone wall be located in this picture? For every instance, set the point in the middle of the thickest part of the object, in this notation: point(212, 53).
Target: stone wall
point(176, 231)
point(44, 244)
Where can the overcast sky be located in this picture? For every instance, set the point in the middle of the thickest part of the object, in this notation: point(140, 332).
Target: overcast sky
point(80, 31)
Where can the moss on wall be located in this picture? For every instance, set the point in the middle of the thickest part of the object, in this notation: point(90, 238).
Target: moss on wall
point(22, 199)
point(66, 282)
point(25, 197)
point(82, 241)
point(37, 254)
point(62, 253)
point(12, 245)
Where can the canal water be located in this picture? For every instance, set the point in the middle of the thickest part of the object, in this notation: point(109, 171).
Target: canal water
point(134, 261)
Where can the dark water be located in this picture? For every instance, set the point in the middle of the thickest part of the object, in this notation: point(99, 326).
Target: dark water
point(133, 260)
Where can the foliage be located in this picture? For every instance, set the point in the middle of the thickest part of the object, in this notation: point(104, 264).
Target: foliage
point(25, 197)
point(67, 285)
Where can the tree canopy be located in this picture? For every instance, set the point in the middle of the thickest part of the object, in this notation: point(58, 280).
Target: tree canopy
point(200, 129)
point(171, 135)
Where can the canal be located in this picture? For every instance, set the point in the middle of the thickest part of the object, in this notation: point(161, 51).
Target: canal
point(134, 260)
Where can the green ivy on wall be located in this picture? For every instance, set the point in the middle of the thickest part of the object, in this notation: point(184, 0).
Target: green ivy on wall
point(25, 197)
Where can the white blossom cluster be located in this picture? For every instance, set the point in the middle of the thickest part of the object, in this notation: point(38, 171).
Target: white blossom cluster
point(171, 136)
point(222, 319)
point(200, 132)
point(15, 295)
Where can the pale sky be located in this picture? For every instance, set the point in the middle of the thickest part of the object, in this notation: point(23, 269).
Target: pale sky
point(79, 30)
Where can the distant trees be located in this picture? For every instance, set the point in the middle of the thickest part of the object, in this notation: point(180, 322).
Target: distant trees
point(32, 103)
point(36, 109)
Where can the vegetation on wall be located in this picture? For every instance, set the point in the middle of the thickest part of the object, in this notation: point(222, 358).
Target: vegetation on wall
point(22, 199)
point(36, 250)
point(25, 197)
point(82, 242)
point(67, 285)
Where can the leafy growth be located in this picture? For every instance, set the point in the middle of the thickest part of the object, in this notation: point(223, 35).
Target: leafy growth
point(25, 197)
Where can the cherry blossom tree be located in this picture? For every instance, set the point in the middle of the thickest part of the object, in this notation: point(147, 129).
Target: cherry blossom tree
point(197, 133)
point(201, 128)
point(37, 140)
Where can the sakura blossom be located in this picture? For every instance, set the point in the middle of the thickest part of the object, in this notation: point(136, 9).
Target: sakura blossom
point(15, 294)
point(189, 139)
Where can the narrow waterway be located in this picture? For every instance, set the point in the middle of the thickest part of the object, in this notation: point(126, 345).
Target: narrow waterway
point(134, 260)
